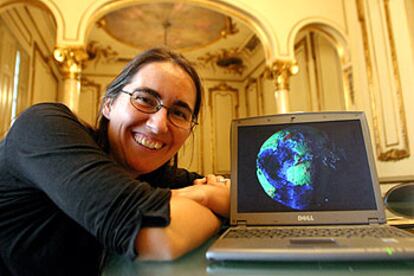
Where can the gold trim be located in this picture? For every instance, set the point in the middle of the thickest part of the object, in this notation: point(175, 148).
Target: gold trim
point(98, 53)
point(37, 29)
point(298, 45)
point(38, 52)
point(348, 79)
point(251, 82)
point(262, 78)
point(223, 54)
point(36, 3)
point(28, 39)
point(221, 87)
point(317, 67)
point(343, 56)
point(280, 72)
point(17, 13)
point(396, 72)
point(85, 82)
point(391, 154)
point(71, 60)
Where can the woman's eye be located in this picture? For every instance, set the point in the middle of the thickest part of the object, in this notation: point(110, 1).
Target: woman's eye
point(181, 114)
point(144, 100)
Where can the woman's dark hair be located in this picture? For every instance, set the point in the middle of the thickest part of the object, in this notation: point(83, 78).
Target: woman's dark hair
point(147, 57)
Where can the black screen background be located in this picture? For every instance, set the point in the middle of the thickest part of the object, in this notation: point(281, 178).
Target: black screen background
point(349, 188)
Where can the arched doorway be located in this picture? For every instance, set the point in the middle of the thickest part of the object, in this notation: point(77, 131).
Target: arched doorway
point(324, 81)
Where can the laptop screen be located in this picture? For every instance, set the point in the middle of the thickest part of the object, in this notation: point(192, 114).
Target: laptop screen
point(314, 166)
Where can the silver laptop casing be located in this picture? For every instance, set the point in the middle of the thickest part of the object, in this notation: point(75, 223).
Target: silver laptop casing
point(282, 250)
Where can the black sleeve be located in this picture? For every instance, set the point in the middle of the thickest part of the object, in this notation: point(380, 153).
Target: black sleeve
point(171, 177)
point(50, 149)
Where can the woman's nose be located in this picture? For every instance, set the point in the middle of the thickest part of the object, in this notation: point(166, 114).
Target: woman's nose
point(158, 121)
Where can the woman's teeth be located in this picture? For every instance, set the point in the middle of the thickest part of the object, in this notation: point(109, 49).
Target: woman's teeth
point(148, 143)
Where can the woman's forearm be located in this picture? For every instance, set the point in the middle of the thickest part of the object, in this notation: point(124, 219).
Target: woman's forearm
point(191, 224)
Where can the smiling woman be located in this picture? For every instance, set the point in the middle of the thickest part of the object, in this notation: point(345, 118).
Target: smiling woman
point(153, 136)
point(71, 193)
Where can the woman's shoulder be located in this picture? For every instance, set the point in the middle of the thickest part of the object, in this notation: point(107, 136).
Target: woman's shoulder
point(46, 117)
point(46, 113)
point(47, 108)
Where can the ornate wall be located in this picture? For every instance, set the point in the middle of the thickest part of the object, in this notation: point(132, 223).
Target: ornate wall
point(368, 43)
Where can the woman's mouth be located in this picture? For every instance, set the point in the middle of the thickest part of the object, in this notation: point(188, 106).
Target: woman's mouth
point(147, 142)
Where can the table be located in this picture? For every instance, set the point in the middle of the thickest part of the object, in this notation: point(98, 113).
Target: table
point(195, 263)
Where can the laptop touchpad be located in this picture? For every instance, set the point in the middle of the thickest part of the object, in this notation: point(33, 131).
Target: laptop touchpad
point(313, 242)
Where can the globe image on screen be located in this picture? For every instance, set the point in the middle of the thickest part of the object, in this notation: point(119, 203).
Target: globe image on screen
point(287, 163)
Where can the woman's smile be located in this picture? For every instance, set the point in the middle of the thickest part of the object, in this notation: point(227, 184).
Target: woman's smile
point(148, 142)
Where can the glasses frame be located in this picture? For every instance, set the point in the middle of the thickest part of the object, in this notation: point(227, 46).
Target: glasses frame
point(158, 107)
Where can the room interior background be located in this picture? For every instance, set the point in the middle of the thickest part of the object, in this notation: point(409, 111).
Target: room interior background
point(255, 58)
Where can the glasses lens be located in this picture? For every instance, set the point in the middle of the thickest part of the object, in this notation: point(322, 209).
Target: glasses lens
point(145, 101)
point(180, 116)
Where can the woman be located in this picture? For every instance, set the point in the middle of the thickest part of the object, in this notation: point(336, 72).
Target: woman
point(69, 193)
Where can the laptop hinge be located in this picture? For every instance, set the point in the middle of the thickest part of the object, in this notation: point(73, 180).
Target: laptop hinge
point(373, 221)
point(241, 223)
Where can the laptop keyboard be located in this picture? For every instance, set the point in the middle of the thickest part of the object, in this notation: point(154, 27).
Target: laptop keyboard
point(334, 232)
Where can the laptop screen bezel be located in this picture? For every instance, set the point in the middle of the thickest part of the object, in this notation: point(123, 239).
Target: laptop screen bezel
point(304, 218)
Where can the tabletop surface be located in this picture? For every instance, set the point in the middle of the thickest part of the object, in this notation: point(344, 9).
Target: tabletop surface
point(195, 263)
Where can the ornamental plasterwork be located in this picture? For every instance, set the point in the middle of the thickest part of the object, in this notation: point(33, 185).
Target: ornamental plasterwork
point(229, 60)
point(99, 53)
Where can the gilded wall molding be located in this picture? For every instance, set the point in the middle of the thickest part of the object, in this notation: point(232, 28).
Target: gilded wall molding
point(38, 53)
point(310, 41)
point(252, 83)
point(88, 83)
point(229, 60)
point(383, 154)
point(222, 89)
point(303, 43)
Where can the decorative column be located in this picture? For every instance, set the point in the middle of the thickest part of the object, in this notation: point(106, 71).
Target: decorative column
point(71, 60)
point(280, 72)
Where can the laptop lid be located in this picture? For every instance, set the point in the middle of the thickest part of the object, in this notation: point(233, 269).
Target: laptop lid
point(304, 169)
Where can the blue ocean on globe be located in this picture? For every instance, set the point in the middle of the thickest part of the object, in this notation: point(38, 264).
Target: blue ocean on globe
point(287, 163)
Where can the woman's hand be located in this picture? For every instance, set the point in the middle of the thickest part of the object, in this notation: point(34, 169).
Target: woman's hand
point(211, 191)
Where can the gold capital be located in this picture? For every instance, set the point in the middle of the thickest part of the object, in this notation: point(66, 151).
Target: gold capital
point(280, 72)
point(71, 60)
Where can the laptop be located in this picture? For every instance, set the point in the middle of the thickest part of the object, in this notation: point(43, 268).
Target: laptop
point(305, 188)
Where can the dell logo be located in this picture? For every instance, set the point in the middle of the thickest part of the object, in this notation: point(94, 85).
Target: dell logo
point(305, 218)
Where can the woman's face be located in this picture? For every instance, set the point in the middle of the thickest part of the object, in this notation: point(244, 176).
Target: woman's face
point(143, 142)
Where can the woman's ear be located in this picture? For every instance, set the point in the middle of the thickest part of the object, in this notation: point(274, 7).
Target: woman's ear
point(106, 110)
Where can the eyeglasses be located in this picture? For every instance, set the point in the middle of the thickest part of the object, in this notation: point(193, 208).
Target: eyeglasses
point(146, 102)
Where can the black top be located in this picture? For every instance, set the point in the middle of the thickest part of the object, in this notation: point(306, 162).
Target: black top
point(63, 201)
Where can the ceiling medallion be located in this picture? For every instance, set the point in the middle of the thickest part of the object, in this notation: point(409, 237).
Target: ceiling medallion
point(228, 60)
point(178, 25)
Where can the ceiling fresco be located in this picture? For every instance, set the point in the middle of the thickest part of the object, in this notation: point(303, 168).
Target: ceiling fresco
point(176, 25)
point(214, 42)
